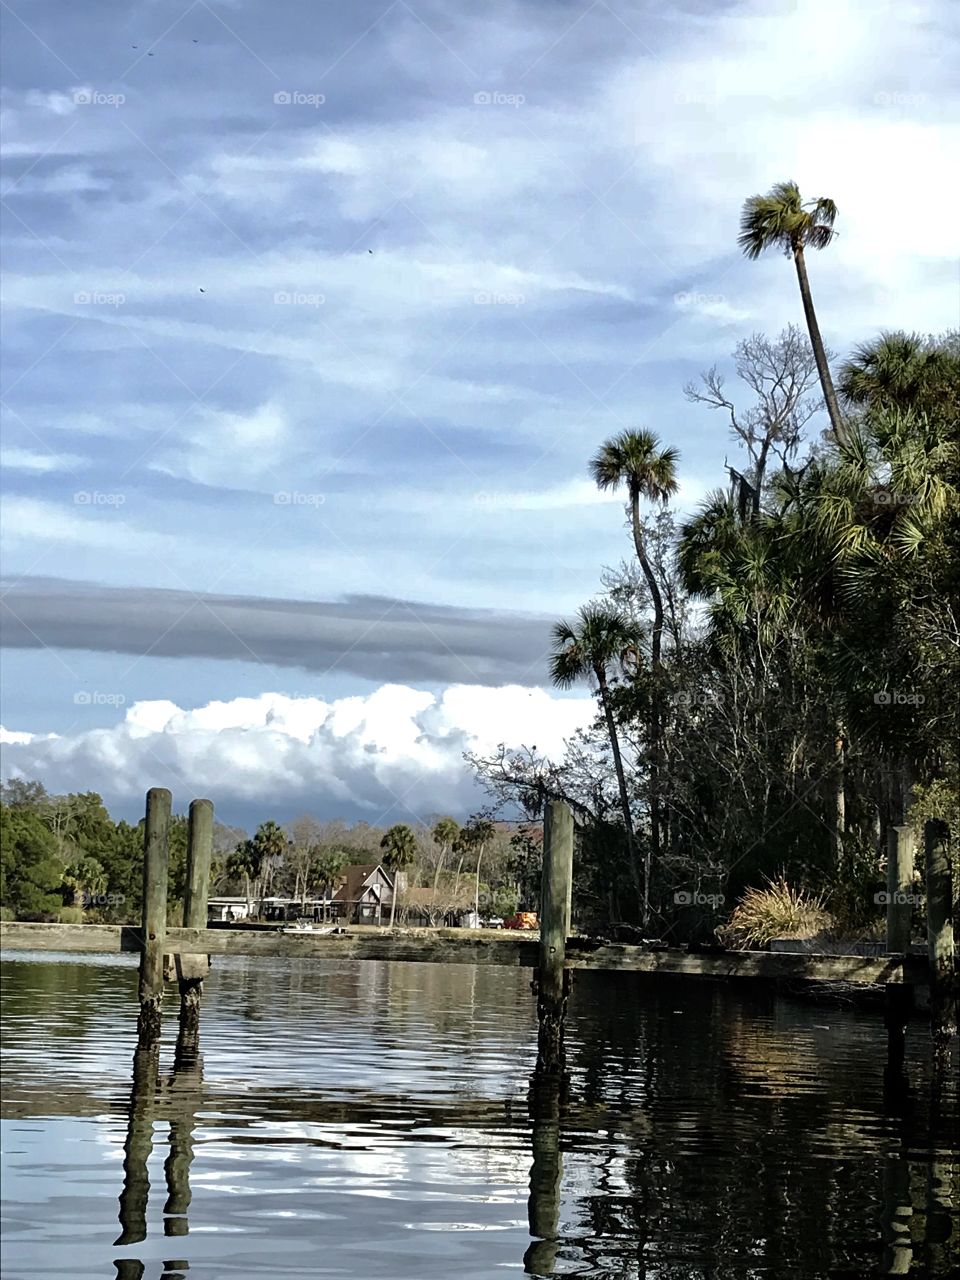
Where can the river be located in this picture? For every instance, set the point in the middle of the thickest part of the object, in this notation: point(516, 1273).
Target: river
point(374, 1119)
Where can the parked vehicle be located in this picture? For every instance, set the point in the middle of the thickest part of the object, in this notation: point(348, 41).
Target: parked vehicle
point(492, 922)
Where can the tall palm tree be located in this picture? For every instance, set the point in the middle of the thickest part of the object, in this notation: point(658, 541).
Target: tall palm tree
point(477, 834)
point(601, 637)
point(400, 846)
point(782, 220)
point(637, 460)
point(445, 832)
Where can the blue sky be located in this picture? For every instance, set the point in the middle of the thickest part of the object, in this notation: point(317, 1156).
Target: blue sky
point(314, 314)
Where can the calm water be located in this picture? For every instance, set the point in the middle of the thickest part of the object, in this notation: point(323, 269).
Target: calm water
point(377, 1120)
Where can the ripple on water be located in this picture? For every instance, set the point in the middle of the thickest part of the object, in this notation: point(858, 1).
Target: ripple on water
point(376, 1119)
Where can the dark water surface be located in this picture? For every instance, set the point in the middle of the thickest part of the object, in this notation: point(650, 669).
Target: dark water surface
point(377, 1120)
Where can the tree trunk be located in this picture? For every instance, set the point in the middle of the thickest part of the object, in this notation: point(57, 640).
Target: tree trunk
point(618, 765)
point(246, 889)
point(652, 853)
point(393, 900)
point(819, 354)
point(840, 799)
point(476, 889)
point(657, 639)
point(436, 880)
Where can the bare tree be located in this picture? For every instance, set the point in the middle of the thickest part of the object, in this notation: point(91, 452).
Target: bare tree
point(782, 374)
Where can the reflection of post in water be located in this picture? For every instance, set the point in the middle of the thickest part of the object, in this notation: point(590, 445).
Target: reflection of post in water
point(179, 1097)
point(183, 1097)
point(547, 1092)
point(138, 1147)
point(897, 1215)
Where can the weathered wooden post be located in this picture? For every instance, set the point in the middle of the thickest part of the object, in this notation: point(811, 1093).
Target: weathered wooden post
point(899, 887)
point(192, 969)
point(898, 995)
point(156, 859)
point(554, 928)
point(943, 1001)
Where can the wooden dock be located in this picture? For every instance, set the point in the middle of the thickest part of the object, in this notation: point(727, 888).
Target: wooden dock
point(471, 946)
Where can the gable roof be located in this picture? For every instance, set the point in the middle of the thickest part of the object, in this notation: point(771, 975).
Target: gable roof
point(355, 881)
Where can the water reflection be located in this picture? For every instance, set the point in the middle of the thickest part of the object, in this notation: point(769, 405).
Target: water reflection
point(355, 1120)
point(173, 1100)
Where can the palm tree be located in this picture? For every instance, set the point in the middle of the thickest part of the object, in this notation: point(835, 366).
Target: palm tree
point(600, 637)
point(245, 862)
point(781, 220)
point(326, 868)
point(477, 833)
point(637, 460)
point(400, 845)
point(444, 833)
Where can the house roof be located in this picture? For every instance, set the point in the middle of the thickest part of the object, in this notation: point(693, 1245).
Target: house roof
point(355, 879)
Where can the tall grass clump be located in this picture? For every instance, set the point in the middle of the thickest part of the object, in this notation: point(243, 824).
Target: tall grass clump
point(778, 911)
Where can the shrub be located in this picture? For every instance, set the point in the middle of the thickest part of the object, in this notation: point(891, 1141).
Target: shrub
point(774, 912)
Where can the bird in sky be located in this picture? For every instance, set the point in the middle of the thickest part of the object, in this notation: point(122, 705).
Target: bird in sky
point(203, 291)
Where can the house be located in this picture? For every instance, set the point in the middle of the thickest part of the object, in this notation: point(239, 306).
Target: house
point(228, 909)
point(365, 895)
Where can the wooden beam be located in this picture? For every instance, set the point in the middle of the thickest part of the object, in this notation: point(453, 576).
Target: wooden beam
point(465, 946)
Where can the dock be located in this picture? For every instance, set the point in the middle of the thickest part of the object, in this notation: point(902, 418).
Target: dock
point(472, 946)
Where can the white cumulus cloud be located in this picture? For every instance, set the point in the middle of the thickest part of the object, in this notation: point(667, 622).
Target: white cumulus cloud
point(395, 753)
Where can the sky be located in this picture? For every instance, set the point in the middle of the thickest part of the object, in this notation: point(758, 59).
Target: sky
point(314, 316)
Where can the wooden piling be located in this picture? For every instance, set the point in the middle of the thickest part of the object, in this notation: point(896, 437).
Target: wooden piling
point(554, 928)
point(156, 859)
point(943, 982)
point(899, 887)
point(898, 998)
point(192, 969)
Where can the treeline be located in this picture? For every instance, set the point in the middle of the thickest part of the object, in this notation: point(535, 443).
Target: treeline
point(776, 676)
point(62, 857)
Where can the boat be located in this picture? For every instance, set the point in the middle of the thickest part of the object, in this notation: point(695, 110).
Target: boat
point(309, 926)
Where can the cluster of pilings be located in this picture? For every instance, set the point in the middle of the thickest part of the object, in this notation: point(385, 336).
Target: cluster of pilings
point(190, 969)
point(941, 960)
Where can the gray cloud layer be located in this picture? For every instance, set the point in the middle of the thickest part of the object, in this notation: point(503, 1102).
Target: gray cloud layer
point(376, 637)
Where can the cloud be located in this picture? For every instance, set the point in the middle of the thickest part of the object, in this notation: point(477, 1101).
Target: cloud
point(363, 635)
point(392, 755)
point(40, 463)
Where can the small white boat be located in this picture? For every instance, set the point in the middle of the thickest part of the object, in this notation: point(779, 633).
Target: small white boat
point(308, 926)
